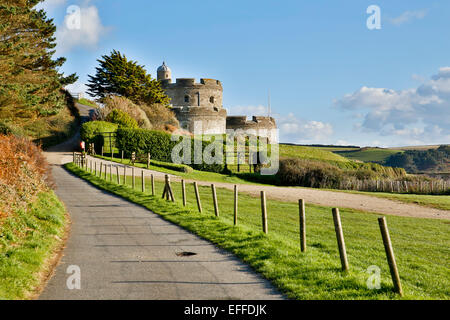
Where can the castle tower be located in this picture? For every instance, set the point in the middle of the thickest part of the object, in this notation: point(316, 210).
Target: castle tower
point(164, 72)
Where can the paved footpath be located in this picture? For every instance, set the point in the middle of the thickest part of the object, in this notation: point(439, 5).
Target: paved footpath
point(125, 251)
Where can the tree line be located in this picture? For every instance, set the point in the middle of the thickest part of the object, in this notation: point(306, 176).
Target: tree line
point(415, 161)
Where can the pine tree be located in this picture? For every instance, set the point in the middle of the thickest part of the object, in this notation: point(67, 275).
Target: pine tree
point(30, 83)
point(119, 76)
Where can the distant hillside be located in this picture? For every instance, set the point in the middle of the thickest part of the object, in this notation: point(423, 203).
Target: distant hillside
point(425, 147)
point(310, 152)
point(422, 161)
point(430, 159)
point(377, 155)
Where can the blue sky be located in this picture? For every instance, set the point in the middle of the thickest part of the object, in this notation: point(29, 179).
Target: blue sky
point(331, 79)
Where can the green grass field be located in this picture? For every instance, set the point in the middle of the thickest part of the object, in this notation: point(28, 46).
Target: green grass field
point(303, 152)
point(369, 154)
point(432, 201)
point(422, 246)
point(27, 240)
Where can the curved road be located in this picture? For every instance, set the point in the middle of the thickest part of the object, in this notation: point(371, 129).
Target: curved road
point(124, 251)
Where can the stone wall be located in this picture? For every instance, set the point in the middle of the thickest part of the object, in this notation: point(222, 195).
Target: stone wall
point(260, 126)
point(200, 119)
point(186, 92)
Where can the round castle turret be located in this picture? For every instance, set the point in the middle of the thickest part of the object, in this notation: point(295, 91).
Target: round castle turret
point(199, 109)
point(195, 104)
point(164, 72)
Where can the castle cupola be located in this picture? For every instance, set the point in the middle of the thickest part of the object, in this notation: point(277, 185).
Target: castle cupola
point(164, 72)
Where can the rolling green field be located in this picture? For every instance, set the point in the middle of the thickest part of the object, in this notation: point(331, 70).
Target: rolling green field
point(369, 154)
point(303, 152)
point(422, 246)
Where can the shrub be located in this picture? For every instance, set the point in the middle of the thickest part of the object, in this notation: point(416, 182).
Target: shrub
point(172, 166)
point(159, 145)
point(309, 173)
point(5, 128)
point(90, 130)
point(121, 103)
point(160, 116)
point(23, 173)
point(122, 119)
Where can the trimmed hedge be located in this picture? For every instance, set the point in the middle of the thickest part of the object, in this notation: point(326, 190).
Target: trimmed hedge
point(123, 119)
point(90, 131)
point(159, 145)
point(172, 166)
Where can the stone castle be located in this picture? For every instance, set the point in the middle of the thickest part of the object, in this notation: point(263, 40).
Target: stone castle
point(200, 105)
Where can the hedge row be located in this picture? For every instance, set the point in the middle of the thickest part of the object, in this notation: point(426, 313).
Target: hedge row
point(160, 145)
point(172, 166)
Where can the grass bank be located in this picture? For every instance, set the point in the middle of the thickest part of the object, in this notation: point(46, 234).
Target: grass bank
point(29, 240)
point(421, 245)
point(432, 201)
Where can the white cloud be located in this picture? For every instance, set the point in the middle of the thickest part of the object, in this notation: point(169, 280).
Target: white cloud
point(293, 129)
point(77, 87)
point(87, 33)
point(414, 115)
point(408, 16)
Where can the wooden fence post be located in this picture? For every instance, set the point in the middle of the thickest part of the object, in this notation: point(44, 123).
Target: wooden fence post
point(340, 239)
point(148, 160)
point(95, 168)
point(235, 205)
point(118, 175)
point(264, 212)
point(301, 206)
point(110, 173)
point(132, 178)
point(168, 193)
point(153, 185)
point(121, 160)
point(124, 175)
point(183, 192)
point(73, 161)
point(143, 181)
point(390, 255)
point(102, 151)
point(106, 170)
point(216, 205)
point(101, 168)
point(197, 196)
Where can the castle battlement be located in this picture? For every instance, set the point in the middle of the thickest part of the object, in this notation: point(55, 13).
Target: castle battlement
point(190, 83)
point(201, 102)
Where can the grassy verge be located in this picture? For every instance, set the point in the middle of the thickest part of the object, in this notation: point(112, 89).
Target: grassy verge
point(432, 201)
point(195, 174)
point(421, 245)
point(28, 241)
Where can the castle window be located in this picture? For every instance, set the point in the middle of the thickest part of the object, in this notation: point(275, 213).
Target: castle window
point(186, 98)
point(211, 99)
